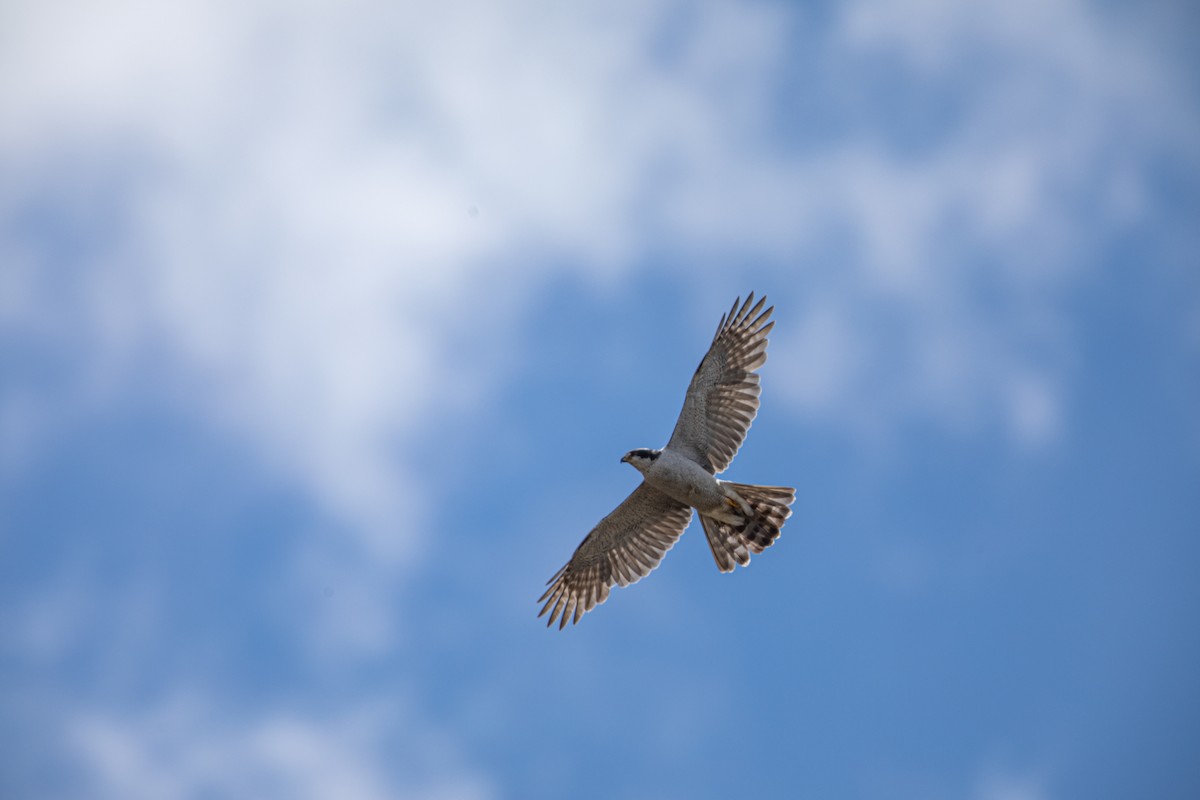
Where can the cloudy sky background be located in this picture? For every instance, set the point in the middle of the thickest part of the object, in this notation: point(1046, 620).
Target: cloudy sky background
point(323, 326)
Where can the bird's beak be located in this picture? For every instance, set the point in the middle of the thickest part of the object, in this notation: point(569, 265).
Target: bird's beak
point(624, 458)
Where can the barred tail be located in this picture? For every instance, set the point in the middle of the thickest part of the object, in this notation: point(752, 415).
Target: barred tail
point(733, 545)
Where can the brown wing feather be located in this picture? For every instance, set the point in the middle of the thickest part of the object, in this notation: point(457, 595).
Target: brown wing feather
point(623, 549)
point(722, 399)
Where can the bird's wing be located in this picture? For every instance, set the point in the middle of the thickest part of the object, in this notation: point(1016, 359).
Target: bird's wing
point(722, 399)
point(623, 548)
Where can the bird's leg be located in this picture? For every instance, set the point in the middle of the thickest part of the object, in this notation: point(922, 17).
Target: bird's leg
point(735, 502)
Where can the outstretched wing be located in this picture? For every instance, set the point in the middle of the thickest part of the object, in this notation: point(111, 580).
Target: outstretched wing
point(722, 399)
point(623, 548)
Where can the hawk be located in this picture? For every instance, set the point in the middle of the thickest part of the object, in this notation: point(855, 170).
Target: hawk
point(738, 519)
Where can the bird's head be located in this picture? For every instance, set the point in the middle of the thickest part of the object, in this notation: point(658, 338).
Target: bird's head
point(641, 459)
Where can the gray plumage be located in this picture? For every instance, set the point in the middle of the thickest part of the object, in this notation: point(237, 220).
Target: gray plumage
point(722, 399)
point(738, 519)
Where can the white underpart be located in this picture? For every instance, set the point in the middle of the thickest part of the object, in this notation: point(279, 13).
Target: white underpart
point(680, 477)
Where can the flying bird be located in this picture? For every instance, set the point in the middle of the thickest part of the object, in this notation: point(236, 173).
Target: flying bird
point(738, 519)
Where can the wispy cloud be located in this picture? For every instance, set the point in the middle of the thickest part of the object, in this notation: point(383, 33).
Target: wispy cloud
point(180, 750)
point(319, 229)
point(996, 784)
point(303, 209)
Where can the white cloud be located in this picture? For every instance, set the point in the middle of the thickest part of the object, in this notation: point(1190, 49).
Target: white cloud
point(951, 309)
point(278, 197)
point(275, 200)
point(181, 750)
point(995, 784)
point(1033, 409)
point(828, 347)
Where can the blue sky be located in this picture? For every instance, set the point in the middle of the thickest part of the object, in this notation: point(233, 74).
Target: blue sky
point(323, 329)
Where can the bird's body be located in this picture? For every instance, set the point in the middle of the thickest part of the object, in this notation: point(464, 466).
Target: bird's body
point(682, 479)
point(738, 519)
point(679, 478)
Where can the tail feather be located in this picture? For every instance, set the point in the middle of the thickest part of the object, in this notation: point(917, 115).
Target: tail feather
point(733, 545)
